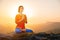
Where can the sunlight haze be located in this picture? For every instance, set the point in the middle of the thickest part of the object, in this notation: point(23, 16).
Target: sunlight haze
point(37, 11)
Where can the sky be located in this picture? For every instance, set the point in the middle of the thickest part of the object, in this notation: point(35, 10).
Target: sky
point(37, 11)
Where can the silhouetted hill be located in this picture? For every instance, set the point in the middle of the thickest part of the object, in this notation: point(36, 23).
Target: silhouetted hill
point(54, 30)
point(55, 27)
point(47, 27)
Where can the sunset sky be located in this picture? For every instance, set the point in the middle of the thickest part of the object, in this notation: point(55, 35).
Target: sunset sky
point(37, 11)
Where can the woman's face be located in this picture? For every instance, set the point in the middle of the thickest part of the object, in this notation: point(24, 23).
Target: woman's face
point(21, 9)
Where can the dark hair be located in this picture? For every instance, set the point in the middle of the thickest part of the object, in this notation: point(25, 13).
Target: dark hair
point(19, 8)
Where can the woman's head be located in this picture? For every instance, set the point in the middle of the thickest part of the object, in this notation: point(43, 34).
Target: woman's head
point(20, 9)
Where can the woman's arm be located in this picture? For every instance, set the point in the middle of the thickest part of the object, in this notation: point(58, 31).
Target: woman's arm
point(17, 19)
point(21, 18)
point(25, 19)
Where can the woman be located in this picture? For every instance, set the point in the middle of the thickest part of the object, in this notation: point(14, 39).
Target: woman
point(20, 20)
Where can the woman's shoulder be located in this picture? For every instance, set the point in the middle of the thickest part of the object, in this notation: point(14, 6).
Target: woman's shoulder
point(24, 14)
point(17, 14)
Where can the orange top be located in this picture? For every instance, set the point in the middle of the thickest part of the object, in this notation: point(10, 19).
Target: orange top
point(22, 17)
